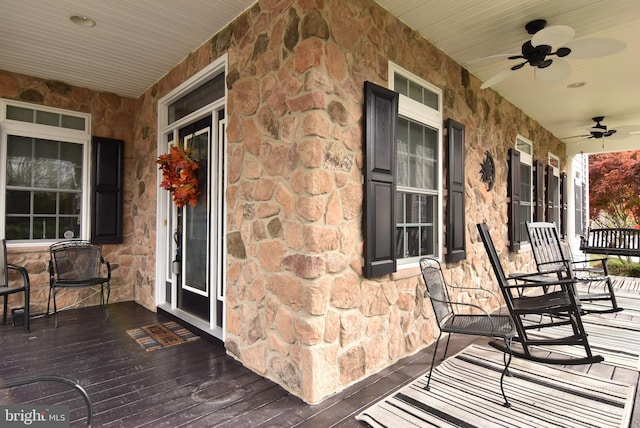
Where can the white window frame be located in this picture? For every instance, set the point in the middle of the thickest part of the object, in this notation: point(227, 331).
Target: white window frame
point(48, 132)
point(427, 116)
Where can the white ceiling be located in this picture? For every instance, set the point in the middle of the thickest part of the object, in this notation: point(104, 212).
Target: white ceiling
point(136, 42)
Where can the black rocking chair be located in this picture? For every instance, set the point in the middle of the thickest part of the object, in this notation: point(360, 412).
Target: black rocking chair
point(554, 257)
point(555, 308)
point(76, 264)
point(7, 288)
point(467, 318)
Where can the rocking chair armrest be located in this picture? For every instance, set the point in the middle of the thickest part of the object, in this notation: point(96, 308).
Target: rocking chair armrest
point(469, 305)
point(23, 272)
point(108, 265)
point(538, 280)
point(479, 289)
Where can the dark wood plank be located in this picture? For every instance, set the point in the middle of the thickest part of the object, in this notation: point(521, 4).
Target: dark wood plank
point(195, 384)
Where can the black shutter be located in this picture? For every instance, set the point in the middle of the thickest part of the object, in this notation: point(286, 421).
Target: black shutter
point(564, 204)
point(551, 191)
point(538, 213)
point(107, 200)
point(381, 113)
point(514, 200)
point(456, 228)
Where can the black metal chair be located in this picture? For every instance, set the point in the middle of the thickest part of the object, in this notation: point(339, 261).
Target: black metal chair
point(7, 289)
point(555, 308)
point(554, 257)
point(76, 264)
point(53, 378)
point(466, 318)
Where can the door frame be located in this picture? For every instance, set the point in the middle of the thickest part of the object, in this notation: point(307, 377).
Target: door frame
point(164, 206)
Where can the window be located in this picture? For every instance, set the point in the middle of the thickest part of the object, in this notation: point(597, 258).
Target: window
point(419, 171)
point(45, 175)
point(520, 191)
point(553, 189)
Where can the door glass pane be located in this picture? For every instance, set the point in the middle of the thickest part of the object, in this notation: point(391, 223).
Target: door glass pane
point(197, 227)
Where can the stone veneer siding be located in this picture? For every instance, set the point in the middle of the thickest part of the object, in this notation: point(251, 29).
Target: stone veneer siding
point(299, 310)
point(112, 116)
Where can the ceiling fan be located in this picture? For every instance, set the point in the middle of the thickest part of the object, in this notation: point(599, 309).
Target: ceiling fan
point(602, 131)
point(545, 50)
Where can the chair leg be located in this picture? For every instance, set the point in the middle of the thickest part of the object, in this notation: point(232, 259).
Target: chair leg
point(4, 314)
point(26, 311)
point(55, 309)
point(507, 361)
point(104, 303)
point(49, 300)
point(433, 360)
point(446, 347)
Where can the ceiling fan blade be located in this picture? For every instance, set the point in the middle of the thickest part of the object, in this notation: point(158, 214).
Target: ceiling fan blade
point(554, 36)
point(576, 136)
point(491, 58)
point(626, 132)
point(595, 47)
point(497, 78)
point(555, 73)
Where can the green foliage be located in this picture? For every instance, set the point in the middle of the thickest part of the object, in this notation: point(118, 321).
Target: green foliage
point(619, 267)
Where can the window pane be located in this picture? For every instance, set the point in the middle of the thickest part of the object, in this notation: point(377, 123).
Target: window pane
point(73, 122)
point(402, 147)
point(17, 228)
point(413, 241)
point(415, 235)
point(400, 251)
point(18, 202)
point(44, 228)
point(47, 118)
point(205, 94)
point(400, 84)
point(69, 203)
point(415, 92)
point(20, 113)
point(525, 184)
point(44, 203)
point(19, 159)
point(69, 228)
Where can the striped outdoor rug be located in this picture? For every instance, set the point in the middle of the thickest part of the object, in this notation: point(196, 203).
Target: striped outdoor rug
point(614, 336)
point(465, 392)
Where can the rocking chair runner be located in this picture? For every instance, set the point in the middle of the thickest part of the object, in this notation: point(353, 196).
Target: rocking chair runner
point(561, 305)
point(553, 257)
point(451, 321)
point(76, 264)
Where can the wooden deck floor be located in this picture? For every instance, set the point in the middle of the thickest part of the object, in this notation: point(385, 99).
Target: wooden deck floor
point(194, 384)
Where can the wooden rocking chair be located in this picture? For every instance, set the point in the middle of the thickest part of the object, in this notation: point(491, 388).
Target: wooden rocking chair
point(553, 257)
point(559, 307)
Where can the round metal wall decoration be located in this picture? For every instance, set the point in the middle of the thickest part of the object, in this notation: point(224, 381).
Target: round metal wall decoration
point(488, 171)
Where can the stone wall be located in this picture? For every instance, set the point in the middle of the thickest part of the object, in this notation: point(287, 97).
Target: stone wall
point(112, 117)
point(298, 308)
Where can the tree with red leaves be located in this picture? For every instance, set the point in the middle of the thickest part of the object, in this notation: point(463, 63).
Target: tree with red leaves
point(614, 189)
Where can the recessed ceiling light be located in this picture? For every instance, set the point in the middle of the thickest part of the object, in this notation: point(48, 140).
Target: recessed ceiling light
point(83, 21)
point(576, 85)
